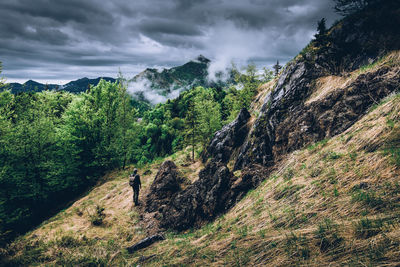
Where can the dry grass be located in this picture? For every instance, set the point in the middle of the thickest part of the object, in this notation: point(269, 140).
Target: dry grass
point(263, 90)
point(328, 84)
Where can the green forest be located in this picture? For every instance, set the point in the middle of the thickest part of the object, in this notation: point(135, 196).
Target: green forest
point(55, 145)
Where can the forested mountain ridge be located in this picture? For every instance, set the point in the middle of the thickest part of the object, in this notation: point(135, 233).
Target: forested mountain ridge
point(310, 176)
point(77, 86)
point(191, 74)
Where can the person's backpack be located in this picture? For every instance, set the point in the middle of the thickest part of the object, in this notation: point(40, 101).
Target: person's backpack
point(131, 180)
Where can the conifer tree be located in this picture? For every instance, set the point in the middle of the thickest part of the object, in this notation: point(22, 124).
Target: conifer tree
point(191, 122)
point(277, 67)
point(321, 35)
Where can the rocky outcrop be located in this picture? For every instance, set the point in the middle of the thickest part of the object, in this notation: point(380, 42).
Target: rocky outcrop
point(216, 190)
point(336, 112)
point(287, 123)
point(201, 201)
point(166, 184)
point(229, 138)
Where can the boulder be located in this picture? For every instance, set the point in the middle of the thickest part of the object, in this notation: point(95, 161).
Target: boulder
point(201, 201)
point(165, 185)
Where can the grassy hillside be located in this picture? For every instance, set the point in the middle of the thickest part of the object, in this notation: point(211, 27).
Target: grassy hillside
point(334, 202)
point(71, 238)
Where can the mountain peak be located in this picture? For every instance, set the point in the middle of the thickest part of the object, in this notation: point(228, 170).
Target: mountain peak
point(202, 59)
point(29, 82)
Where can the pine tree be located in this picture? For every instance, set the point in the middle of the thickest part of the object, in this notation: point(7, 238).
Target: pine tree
point(321, 35)
point(191, 122)
point(277, 67)
point(321, 28)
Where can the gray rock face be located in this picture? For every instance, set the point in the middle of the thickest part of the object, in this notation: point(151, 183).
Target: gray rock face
point(335, 113)
point(230, 137)
point(292, 88)
point(285, 123)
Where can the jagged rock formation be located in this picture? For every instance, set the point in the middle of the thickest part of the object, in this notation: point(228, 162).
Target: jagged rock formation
point(201, 201)
point(292, 88)
point(216, 190)
point(230, 137)
point(335, 113)
point(287, 123)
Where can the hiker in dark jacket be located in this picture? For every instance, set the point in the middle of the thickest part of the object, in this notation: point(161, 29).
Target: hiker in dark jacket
point(134, 181)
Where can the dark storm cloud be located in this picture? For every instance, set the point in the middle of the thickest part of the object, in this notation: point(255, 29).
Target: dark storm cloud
point(165, 26)
point(68, 39)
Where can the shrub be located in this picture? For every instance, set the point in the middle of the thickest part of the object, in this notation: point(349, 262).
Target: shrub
point(98, 217)
point(328, 235)
point(366, 228)
point(392, 146)
point(368, 198)
point(289, 174)
point(68, 241)
point(297, 246)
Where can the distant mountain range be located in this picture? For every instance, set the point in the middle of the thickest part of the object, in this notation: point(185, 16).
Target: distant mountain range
point(80, 85)
point(163, 83)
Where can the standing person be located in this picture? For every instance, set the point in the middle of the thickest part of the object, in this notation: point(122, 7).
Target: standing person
point(134, 181)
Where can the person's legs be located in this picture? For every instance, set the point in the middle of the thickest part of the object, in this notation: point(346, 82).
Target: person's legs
point(136, 195)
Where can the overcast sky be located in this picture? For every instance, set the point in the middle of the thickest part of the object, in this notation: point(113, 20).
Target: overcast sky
point(56, 41)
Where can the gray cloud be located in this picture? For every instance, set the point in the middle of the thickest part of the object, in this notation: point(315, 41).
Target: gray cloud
point(68, 39)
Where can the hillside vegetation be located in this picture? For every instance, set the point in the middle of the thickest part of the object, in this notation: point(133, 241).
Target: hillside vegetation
point(333, 202)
